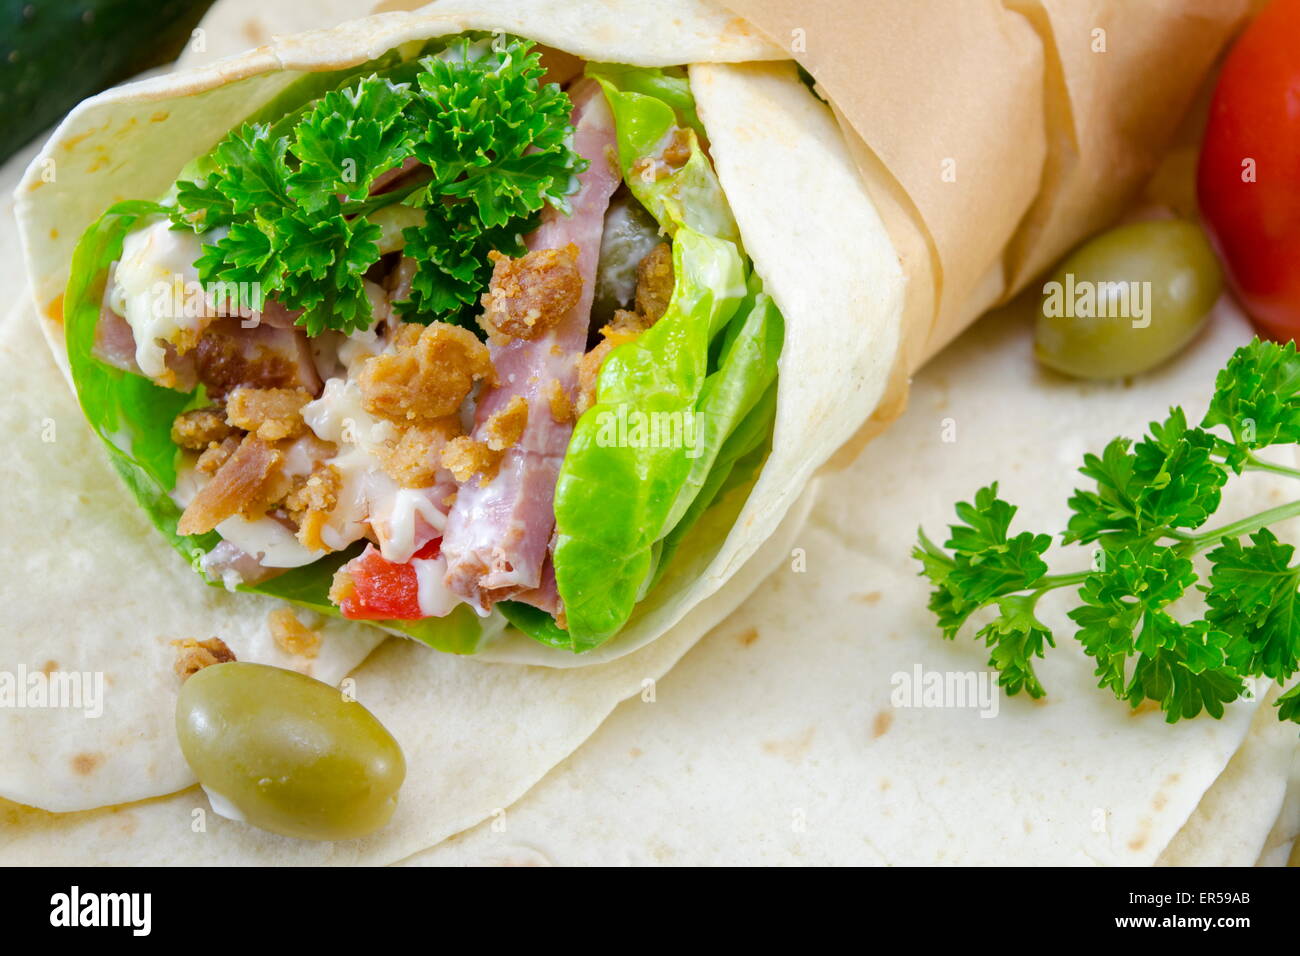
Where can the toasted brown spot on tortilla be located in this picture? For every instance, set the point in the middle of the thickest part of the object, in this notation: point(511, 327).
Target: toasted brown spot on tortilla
point(86, 764)
point(883, 721)
point(871, 597)
point(736, 27)
point(635, 752)
point(49, 667)
point(885, 784)
point(255, 32)
point(794, 749)
point(72, 142)
point(1139, 841)
point(54, 311)
point(159, 117)
point(747, 637)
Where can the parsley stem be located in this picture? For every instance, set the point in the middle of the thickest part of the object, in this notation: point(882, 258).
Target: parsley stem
point(364, 207)
point(1053, 581)
point(1206, 539)
point(1258, 464)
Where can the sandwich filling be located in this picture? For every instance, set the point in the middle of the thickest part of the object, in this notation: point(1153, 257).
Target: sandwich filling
point(462, 335)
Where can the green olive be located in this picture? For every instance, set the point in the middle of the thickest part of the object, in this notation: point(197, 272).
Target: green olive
point(1127, 300)
point(288, 753)
point(630, 232)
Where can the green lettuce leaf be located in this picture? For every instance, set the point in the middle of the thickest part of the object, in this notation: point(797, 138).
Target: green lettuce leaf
point(736, 464)
point(691, 195)
point(133, 417)
point(678, 407)
point(746, 369)
point(668, 84)
point(628, 457)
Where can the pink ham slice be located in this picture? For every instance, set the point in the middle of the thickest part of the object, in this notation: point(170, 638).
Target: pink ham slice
point(115, 345)
point(498, 534)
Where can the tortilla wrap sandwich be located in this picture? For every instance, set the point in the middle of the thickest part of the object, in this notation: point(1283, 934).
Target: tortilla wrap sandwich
point(748, 155)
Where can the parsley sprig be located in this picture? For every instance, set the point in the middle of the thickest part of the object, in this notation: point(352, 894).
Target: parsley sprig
point(1145, 517)
point(290, 208)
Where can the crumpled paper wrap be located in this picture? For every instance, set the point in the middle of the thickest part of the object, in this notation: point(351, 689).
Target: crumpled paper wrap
point(995, 136)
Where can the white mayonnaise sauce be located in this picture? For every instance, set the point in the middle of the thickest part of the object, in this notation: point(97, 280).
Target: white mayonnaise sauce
point(156, 289)
point(271, 543)
point(436, 600)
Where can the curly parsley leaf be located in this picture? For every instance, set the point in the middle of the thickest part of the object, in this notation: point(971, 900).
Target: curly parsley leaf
point(281, 238)
point(243, 260)
point(1257, 396)
point(1288, 705)
point(289, 205)
point(454, 265)
point(324, 261)
point(1169, 480)
point(1017, 637)
point(985, 562)
point(1253, 595)
point(497, 143)
point(1182, 667)
point(1146, 501)
point(349, 139)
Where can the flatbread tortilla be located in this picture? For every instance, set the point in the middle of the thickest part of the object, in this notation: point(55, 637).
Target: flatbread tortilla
point(492, 763)
point(769, 135)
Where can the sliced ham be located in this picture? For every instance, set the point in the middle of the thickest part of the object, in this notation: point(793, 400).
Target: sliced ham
point(115, 345)
point(241, 483)
point(228, 563)
point(546, 596)
point(498, 532)
point(389, 179)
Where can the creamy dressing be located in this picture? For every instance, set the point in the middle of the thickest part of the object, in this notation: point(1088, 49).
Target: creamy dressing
point(271, 543)
point(186, 487)
point(156, 289)
point(396, 532)
point(368, 499)
point(435, 599)
point(339, 416)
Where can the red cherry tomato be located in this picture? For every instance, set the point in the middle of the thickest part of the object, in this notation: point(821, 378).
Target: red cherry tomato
point(382, 590)
point(1248, 183)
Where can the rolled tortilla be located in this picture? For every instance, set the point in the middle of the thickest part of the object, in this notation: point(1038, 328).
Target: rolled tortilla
point(848, 333)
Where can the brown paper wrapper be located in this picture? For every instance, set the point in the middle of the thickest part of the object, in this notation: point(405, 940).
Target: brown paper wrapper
point(993, 137)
